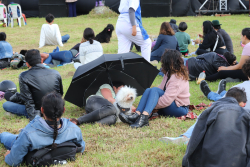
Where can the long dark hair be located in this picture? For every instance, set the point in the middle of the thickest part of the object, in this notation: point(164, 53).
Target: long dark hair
point(53, 106)
point(89, 35)
point(208, 29)
point(172, 63)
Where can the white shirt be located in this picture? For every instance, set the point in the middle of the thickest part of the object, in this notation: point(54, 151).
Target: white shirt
point(124, 9)
point(50, 35)
point(89, 52)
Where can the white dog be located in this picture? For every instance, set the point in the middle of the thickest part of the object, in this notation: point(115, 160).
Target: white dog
point(125, 98)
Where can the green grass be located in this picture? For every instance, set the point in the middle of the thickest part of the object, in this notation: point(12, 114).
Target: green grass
point(116, 145)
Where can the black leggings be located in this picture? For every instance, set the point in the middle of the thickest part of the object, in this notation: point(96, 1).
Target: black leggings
point(218, 50)
point(228, 73)
point(99, 110)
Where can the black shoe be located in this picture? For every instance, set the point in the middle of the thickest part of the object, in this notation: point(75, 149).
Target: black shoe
point(204, 88)
point(222, 86)
point(129, 119)
point(140, 122)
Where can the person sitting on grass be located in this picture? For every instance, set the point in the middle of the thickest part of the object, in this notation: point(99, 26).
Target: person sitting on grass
point(100, 108)
point(6, 51)
point(183, 38)
point(34, 84)
point(227, 39)
point(89, 49)
point(166, 40)
point(171, 98)
point(236, 70)
point(42, 132)
point(208, 62)
point(221, 134)
point(50, 33)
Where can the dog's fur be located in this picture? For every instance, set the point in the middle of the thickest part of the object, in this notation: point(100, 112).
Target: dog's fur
point(106, 34)
point(125, 98)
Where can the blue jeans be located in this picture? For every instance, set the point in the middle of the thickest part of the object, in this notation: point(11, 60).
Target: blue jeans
point(189, 132)
point(158, 58)
point(7, 139)
point(15, 108)
point(62, 56)
point(215, 96)
point(65, 38)
point(185, 61)
point(150, 99)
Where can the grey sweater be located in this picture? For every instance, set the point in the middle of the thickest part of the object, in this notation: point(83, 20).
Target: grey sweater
point(227, 40)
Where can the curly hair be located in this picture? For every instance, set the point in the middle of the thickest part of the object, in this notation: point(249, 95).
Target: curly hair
point(166, 29)
point(246, 68)
point(172, 63)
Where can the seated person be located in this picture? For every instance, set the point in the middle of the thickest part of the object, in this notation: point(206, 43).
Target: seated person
point(208, 62)
point(221, 134)
point(222, 86)
point(183, 38)
point(100, 107)
point(224, 34)
point(210, 36)
point(89, 49)
point(50, 33)
point(34, 84)
point(173, 25)
point(166, 40)
point(6, 51)
point(235, 71)
point(42, 132)
point(171, 98)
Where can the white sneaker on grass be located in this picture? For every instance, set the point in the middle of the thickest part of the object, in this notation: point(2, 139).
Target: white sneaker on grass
point(175, 140)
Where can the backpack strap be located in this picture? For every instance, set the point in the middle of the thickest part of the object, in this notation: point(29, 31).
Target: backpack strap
point(216, 43)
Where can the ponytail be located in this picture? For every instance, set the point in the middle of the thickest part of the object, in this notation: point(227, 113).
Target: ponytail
point(91, 41)
point(89, 35)
point(53, 106)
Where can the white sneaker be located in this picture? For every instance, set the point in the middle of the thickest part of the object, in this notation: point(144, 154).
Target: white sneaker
point(175, 140)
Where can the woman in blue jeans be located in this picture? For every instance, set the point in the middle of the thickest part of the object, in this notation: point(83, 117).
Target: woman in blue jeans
point(171, 98)
point(62, 56)
point(42, 132)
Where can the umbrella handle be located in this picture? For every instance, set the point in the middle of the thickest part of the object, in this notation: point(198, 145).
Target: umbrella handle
point(122, 63)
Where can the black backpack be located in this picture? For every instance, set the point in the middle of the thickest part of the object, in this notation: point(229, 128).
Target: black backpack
point(48, 156)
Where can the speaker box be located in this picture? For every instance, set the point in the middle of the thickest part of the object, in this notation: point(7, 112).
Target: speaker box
point(156, 8)
point(52, 2)
point(56, 10)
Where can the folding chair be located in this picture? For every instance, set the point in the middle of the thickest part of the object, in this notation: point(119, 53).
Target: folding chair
point(15, 14)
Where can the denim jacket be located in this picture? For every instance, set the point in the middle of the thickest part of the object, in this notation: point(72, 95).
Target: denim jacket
point(38, 134)
point(5, 50)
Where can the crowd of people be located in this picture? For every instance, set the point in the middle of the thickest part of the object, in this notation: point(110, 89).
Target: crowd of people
point(41, 89)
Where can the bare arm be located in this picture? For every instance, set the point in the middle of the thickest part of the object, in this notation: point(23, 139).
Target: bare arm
point(107, 94)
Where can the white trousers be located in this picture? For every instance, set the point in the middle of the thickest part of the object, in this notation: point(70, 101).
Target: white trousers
point(125, 39)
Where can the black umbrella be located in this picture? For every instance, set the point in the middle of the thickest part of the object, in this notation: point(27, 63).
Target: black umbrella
point(129, 68)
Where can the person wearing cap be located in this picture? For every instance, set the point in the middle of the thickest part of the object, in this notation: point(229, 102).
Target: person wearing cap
point(173, 25)
point(224, 34)
point(34, 84)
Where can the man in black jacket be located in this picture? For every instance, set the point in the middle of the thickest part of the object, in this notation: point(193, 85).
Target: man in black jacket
point(34, 84)
point(208, 62)
point(173, 25)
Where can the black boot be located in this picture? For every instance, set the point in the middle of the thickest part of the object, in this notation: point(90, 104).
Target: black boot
point(140, 122)
point(129, 119)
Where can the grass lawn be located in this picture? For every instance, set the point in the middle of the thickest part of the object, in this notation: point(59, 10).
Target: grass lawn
point(117, 145)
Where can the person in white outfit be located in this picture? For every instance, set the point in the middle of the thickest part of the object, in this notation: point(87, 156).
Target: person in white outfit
point(50, 33)
point(89, 49)
point(129, 28)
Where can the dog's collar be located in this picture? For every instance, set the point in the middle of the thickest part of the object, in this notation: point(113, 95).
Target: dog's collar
point(122, 109)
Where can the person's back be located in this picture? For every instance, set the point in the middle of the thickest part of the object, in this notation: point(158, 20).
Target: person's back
point(42, 132)
point(173, 25)
point(166, 42)
point(214, 137)
point(183, 38)
point(89, 52)
point(5, 48)
point(227, 40)
point(208, 62)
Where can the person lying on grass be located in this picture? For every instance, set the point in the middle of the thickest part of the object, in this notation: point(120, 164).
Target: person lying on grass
point(171, 98)
point(208, 62)
point(221, 134)
point(42, 132)
point(100, 108)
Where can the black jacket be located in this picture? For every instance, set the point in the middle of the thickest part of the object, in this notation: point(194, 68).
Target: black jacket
point(220, 137)
point(174, 26)
point(208, 62)
point(34, 84)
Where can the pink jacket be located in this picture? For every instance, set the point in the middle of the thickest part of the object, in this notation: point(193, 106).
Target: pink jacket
point(177, 90)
